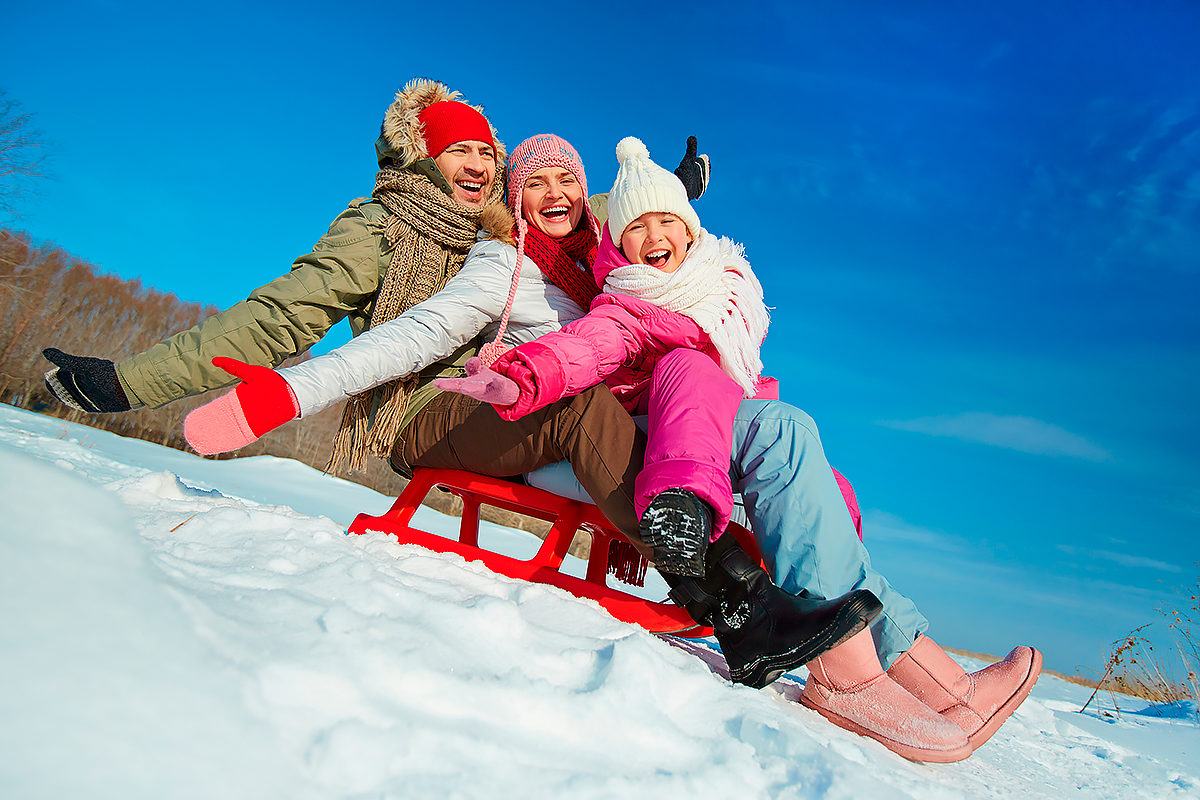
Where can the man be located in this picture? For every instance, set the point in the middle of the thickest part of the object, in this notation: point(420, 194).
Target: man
point(438, 159)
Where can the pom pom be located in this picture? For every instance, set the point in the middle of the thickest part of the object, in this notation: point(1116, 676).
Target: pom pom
point(492, 351)
point(631, 147)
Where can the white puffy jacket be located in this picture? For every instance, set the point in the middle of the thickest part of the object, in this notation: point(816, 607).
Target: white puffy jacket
point(471, 303)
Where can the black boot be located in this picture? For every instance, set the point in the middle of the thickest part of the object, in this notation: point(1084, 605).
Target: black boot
point(676, 525)
point(764, 631)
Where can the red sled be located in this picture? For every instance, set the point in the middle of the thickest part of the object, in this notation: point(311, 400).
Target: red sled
point(566, 517)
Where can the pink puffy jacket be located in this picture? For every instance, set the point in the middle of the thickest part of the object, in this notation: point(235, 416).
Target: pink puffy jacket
point(618, 342)
point(657, 362)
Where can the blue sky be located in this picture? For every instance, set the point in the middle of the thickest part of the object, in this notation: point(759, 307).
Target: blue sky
point(979, 226)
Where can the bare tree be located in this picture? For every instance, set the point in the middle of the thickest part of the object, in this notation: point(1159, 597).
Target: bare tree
point(21, 155)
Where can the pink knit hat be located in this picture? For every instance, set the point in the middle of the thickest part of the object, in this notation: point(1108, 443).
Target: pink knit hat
point(539, 152)
point(536, 152)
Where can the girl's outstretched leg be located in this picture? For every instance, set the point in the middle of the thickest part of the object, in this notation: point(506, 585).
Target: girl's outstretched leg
point(691, 404)
point(684, 496)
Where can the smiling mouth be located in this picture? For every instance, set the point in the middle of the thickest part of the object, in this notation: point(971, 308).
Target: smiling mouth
point(555, 213)
point(658, 258)
point(471, 187)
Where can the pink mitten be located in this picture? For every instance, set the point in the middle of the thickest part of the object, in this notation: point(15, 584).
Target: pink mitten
point(261, 403)
point(483, 384)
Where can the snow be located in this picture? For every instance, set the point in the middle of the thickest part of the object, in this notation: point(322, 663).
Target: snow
point(183, 628)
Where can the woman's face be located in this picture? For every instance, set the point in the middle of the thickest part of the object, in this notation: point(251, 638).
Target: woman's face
point(660, 240)
point(552, 201)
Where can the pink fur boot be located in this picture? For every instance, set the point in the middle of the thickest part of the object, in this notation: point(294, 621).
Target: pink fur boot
point(978, 703)
point(849, 688)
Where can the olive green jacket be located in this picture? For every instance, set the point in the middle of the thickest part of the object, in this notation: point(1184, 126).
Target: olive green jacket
point(338, 279)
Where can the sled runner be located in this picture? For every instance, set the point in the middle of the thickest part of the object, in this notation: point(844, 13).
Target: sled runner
point(610, 552)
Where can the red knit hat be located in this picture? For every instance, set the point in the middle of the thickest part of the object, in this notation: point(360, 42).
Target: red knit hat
point(449, 121)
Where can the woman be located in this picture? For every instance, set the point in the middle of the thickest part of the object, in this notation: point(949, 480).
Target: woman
point(923, 707)
point(675, 335)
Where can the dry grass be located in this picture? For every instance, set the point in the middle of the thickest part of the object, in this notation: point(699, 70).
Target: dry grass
point(1135, 668)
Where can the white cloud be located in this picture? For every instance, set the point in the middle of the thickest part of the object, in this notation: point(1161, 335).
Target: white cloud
point(1025, 434)
point(1123, 559)
point(894, 530)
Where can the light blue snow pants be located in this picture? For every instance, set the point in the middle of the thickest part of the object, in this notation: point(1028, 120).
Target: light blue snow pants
point(800, 520)
point(798, 516)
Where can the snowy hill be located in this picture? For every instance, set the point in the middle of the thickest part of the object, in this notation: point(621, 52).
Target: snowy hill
point(181, 628)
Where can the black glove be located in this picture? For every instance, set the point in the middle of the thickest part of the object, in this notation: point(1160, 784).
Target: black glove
point(693, 171)
point(83, 383)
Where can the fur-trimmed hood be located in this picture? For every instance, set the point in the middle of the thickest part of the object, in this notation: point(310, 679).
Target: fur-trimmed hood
point(401, 136)
point(497, 222)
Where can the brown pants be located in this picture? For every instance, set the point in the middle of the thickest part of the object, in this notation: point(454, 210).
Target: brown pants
point(590, 430)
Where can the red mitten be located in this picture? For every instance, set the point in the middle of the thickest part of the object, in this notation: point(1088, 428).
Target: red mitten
point(261, 403)
point(483, 384)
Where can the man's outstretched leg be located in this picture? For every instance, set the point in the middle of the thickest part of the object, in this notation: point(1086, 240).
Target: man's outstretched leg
point(800, 520)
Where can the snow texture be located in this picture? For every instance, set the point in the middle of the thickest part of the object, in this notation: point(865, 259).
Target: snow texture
point(175, 627)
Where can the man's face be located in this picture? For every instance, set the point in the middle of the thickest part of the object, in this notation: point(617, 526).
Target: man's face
point(471, 168)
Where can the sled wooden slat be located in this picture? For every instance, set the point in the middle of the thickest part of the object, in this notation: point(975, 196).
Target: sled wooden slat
point(566, 517)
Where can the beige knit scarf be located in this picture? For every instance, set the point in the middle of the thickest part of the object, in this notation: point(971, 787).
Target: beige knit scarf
point(430, 234)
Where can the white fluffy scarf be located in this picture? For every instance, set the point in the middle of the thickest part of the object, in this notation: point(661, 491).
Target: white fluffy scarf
point(715, 287)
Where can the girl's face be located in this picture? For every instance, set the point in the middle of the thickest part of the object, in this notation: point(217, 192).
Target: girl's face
point(552, 201)
point(660, 240)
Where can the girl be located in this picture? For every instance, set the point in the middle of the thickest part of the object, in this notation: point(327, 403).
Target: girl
point(676, 335)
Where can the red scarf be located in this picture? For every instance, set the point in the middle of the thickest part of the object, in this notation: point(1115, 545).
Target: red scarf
point(558, 260)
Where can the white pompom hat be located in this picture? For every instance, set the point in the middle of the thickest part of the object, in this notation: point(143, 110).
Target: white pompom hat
point(642, 187)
